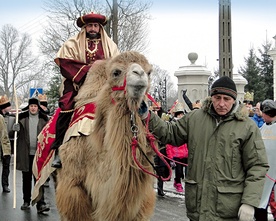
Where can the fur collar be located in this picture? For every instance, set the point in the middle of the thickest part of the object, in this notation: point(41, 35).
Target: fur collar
point(239, 111)
point(26, 114)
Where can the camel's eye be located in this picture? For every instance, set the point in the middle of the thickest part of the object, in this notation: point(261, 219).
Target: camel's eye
point(117, 73)
point(149, 73)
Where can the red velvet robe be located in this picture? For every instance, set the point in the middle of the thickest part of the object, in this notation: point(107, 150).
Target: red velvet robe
point(75, 72)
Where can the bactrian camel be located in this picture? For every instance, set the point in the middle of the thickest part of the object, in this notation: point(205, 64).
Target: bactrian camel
point(99, 180)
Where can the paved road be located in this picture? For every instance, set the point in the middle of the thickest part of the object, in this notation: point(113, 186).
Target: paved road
point(168, 208)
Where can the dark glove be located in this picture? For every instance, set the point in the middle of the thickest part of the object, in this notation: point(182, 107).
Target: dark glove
point(143, 110)
point(184, 92)
point(16, 127)
point(7, 157)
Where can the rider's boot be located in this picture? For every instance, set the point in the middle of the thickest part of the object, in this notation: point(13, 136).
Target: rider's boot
point(56, 162)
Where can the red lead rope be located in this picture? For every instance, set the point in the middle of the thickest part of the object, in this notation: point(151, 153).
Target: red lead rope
point(134, 145)
point(151, 139)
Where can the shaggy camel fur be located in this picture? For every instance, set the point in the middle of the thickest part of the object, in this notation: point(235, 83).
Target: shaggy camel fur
point(99, 180)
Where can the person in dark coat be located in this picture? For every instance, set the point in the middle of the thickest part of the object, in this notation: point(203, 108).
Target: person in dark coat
point(31, 123)
point(161, 169)
point(179, 154)
point(160, 166)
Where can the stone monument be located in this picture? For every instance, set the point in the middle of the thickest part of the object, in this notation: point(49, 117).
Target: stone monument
point(194, 78)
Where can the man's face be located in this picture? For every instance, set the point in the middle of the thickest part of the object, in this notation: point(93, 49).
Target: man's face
point(33, 108)
point(266, 118)
point(248, 105)
point(222, 103)
point(92, 29)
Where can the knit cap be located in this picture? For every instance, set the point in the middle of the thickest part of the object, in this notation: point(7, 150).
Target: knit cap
point(224, 85)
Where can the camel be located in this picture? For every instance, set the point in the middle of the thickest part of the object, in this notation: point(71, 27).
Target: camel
point(99, 180)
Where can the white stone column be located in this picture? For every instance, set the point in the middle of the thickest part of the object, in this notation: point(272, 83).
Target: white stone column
point(272, 53)
point(194, 78)
point(240, 82)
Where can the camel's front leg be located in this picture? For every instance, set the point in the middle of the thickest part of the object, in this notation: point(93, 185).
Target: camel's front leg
point(72, 199)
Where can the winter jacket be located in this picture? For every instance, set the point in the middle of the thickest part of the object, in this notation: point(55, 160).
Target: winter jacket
point(179, 152)
point(258, 120)
point(23, 141)
point(4, 138)
point(227, 160)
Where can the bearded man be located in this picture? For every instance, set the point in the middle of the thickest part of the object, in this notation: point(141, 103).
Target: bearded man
point(75, 58)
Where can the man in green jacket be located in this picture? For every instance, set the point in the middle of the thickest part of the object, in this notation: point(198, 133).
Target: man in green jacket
point(227, 161)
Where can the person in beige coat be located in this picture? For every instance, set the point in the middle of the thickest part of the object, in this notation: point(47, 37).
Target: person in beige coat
point(5, 154)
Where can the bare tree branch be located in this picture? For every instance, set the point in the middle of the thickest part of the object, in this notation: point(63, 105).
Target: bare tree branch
point(17, 64)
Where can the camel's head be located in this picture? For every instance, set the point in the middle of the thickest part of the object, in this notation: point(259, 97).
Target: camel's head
point(130, 78)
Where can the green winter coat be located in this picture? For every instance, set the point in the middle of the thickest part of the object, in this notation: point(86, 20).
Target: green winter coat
point(227, 161)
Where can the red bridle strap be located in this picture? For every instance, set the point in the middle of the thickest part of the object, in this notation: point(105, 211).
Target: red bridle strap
point(120, 88)
point(153, 101)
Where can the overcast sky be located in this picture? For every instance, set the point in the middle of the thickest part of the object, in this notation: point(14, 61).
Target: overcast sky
point(178, 27)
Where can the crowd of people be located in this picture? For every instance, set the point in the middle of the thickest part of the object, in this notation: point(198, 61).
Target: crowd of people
point(222, 151)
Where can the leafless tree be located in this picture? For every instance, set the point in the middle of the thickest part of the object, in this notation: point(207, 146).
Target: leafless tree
point(18, 66)
point(161, 77)
point(127, 23)
point(127, 26)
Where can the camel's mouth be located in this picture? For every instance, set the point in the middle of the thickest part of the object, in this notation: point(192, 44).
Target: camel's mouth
point(138, 90)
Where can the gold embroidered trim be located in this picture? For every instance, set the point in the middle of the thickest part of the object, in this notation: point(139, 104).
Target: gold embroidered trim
point(96, 42)
point(67, 111)
point(78, 73)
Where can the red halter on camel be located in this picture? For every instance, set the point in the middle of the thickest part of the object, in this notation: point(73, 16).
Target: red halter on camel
point(150, 137)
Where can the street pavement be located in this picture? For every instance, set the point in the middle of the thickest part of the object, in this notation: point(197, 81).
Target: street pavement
point(10, 211)
point(169, 189)
point(10, 208)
